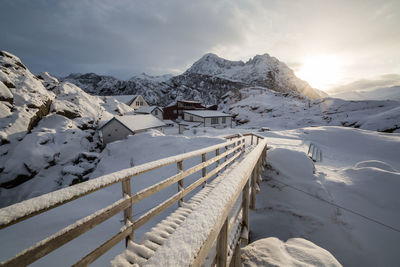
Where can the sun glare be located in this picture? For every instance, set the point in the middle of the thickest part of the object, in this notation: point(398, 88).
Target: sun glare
point(320, 72)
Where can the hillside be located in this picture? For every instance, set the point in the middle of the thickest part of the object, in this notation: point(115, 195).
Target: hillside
point(48, 131)
point(206, 80)
point(257, 107)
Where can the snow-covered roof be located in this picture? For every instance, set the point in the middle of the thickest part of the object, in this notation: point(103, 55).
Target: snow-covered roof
point(126, 99)
point(138, 122)
point(146, 109)
point(207, 113)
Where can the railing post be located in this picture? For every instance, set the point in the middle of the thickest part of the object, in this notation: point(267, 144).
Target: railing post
point(253, 189)
point(226, 157)
point(245, 207)
point(126, 190)
point(236, 259)
point(204, 170)
point(181, 186)
point(251, 140)
point(222, 245)
point(257, 140)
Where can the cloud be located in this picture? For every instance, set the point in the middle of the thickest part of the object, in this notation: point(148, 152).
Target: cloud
point(113, 36)
point(383, 81)
point(124, 37)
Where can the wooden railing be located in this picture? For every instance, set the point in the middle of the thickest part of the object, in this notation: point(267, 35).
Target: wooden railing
point(250, 169)
point(26, 209)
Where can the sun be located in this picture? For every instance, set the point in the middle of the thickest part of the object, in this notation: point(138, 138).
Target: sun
point(321, 72)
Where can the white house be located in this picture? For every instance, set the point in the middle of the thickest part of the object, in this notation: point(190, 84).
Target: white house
point(120, 127)
point(134, 101)
point(209, 118)
point(156, 111)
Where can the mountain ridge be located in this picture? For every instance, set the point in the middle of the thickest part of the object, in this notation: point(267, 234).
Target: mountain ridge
point(206, 80)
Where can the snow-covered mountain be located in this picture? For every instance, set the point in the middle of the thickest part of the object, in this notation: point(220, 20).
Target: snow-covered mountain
point(207, 80)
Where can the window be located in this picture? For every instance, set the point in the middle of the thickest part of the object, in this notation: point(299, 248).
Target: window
point(137, 103)
point(141, 103)
point(191, 118)
point(214, 120)
point(223, 120)
point(156, 112)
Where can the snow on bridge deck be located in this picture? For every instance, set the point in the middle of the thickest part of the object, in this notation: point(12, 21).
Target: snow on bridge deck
point(176, 240)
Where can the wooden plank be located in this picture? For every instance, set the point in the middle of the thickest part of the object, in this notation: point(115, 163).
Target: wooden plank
point(181, 185)
point(93, 185)
point(236, 259)
point(204, 170)
point(65, 235)
point(126, 191)
point(106, 246)
point(253, 190)
point(217, 154)
point(245, 204)
point(222, 245)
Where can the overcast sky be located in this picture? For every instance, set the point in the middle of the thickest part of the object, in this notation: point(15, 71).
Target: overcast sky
point(126, 37)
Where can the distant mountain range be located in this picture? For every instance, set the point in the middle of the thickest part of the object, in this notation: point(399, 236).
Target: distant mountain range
point(206, 80)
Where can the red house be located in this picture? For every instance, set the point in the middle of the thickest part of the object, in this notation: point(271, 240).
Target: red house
point(175, 110)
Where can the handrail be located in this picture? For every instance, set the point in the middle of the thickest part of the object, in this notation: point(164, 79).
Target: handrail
point(23, 210)
point(221, 221)
point(250, 171)
point(18, 212)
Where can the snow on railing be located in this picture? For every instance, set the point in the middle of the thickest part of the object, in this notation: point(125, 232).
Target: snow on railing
point(26, 209)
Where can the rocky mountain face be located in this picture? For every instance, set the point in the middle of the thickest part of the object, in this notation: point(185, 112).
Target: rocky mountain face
point(207, 80)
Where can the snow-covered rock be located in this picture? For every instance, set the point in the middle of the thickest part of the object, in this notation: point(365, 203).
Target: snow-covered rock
point(294, 252)
point(45, 125)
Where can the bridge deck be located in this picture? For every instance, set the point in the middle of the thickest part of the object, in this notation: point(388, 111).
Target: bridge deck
point(138, 254)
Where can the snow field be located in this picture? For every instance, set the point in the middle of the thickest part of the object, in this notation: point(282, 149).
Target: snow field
point(359, 172)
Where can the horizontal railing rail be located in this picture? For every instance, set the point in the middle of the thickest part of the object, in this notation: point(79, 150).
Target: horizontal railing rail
point(26, 209)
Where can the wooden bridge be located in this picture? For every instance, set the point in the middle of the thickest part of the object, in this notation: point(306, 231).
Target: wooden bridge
point(228, 185)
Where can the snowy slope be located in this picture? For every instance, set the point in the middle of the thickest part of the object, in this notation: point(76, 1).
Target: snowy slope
point(48, 132)
point(258, 107)
point(360, 171)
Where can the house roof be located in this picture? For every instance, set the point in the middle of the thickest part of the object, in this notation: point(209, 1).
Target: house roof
point(147, 109)
point(207, 113)
point(189, 101)
point(138, 122)
point(126, 99)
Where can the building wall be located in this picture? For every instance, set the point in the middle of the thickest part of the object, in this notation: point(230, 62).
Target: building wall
point(227, 123)
point(139, 102)
point(157, 113)
point(190, 117)
point(114, 131)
